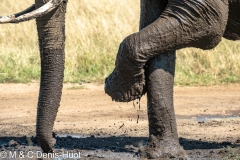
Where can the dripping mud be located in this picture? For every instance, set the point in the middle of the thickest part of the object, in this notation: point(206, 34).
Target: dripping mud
point(89, 123)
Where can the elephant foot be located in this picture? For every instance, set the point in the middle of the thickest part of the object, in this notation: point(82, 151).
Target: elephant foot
point(124, 89)
point(162, 149)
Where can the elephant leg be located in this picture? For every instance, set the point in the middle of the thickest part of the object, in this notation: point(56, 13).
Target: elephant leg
point(183, 23)
point(163, 138)
point(51, 35)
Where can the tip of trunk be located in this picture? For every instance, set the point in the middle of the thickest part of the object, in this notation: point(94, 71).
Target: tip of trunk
point(123, 89)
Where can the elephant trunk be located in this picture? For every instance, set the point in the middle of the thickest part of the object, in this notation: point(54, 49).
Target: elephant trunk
point(192, 23)
point(195, 23)
point(51, 34)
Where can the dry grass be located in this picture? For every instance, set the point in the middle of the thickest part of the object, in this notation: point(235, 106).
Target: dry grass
point(94, 31)
point(213, 67)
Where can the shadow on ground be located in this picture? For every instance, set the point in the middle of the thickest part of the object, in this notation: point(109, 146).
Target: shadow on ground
point(115, 145)
point(118, 144)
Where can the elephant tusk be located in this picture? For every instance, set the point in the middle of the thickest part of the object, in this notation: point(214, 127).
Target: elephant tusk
point(31, 13)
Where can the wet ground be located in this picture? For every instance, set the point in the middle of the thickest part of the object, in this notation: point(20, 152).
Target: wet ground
point(90, 126)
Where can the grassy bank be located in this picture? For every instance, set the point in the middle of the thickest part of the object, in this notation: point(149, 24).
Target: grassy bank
point(94, 31)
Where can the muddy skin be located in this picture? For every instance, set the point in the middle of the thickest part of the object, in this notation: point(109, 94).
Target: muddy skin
point(163, 138)
point(51, 35)
point(136, 85)
point(183, 24)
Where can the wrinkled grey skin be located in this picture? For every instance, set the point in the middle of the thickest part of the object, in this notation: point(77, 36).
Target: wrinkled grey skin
point(51, 36)
point(146, 60)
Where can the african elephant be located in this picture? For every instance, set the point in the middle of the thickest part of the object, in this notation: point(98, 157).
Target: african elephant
point(51, 36)
point(145, 61)
point(165, 25)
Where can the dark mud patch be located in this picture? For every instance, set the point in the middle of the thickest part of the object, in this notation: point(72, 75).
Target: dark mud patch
point(95, 147)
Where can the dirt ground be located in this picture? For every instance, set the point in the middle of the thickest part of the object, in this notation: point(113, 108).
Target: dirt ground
point(91, 124)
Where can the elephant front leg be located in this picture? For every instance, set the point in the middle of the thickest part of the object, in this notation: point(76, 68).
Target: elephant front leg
point(163, 138)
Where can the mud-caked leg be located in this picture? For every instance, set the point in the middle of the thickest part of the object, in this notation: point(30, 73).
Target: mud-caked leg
point(163, 138)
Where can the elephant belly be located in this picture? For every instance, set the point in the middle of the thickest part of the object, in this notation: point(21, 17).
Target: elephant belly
point(232, 31)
